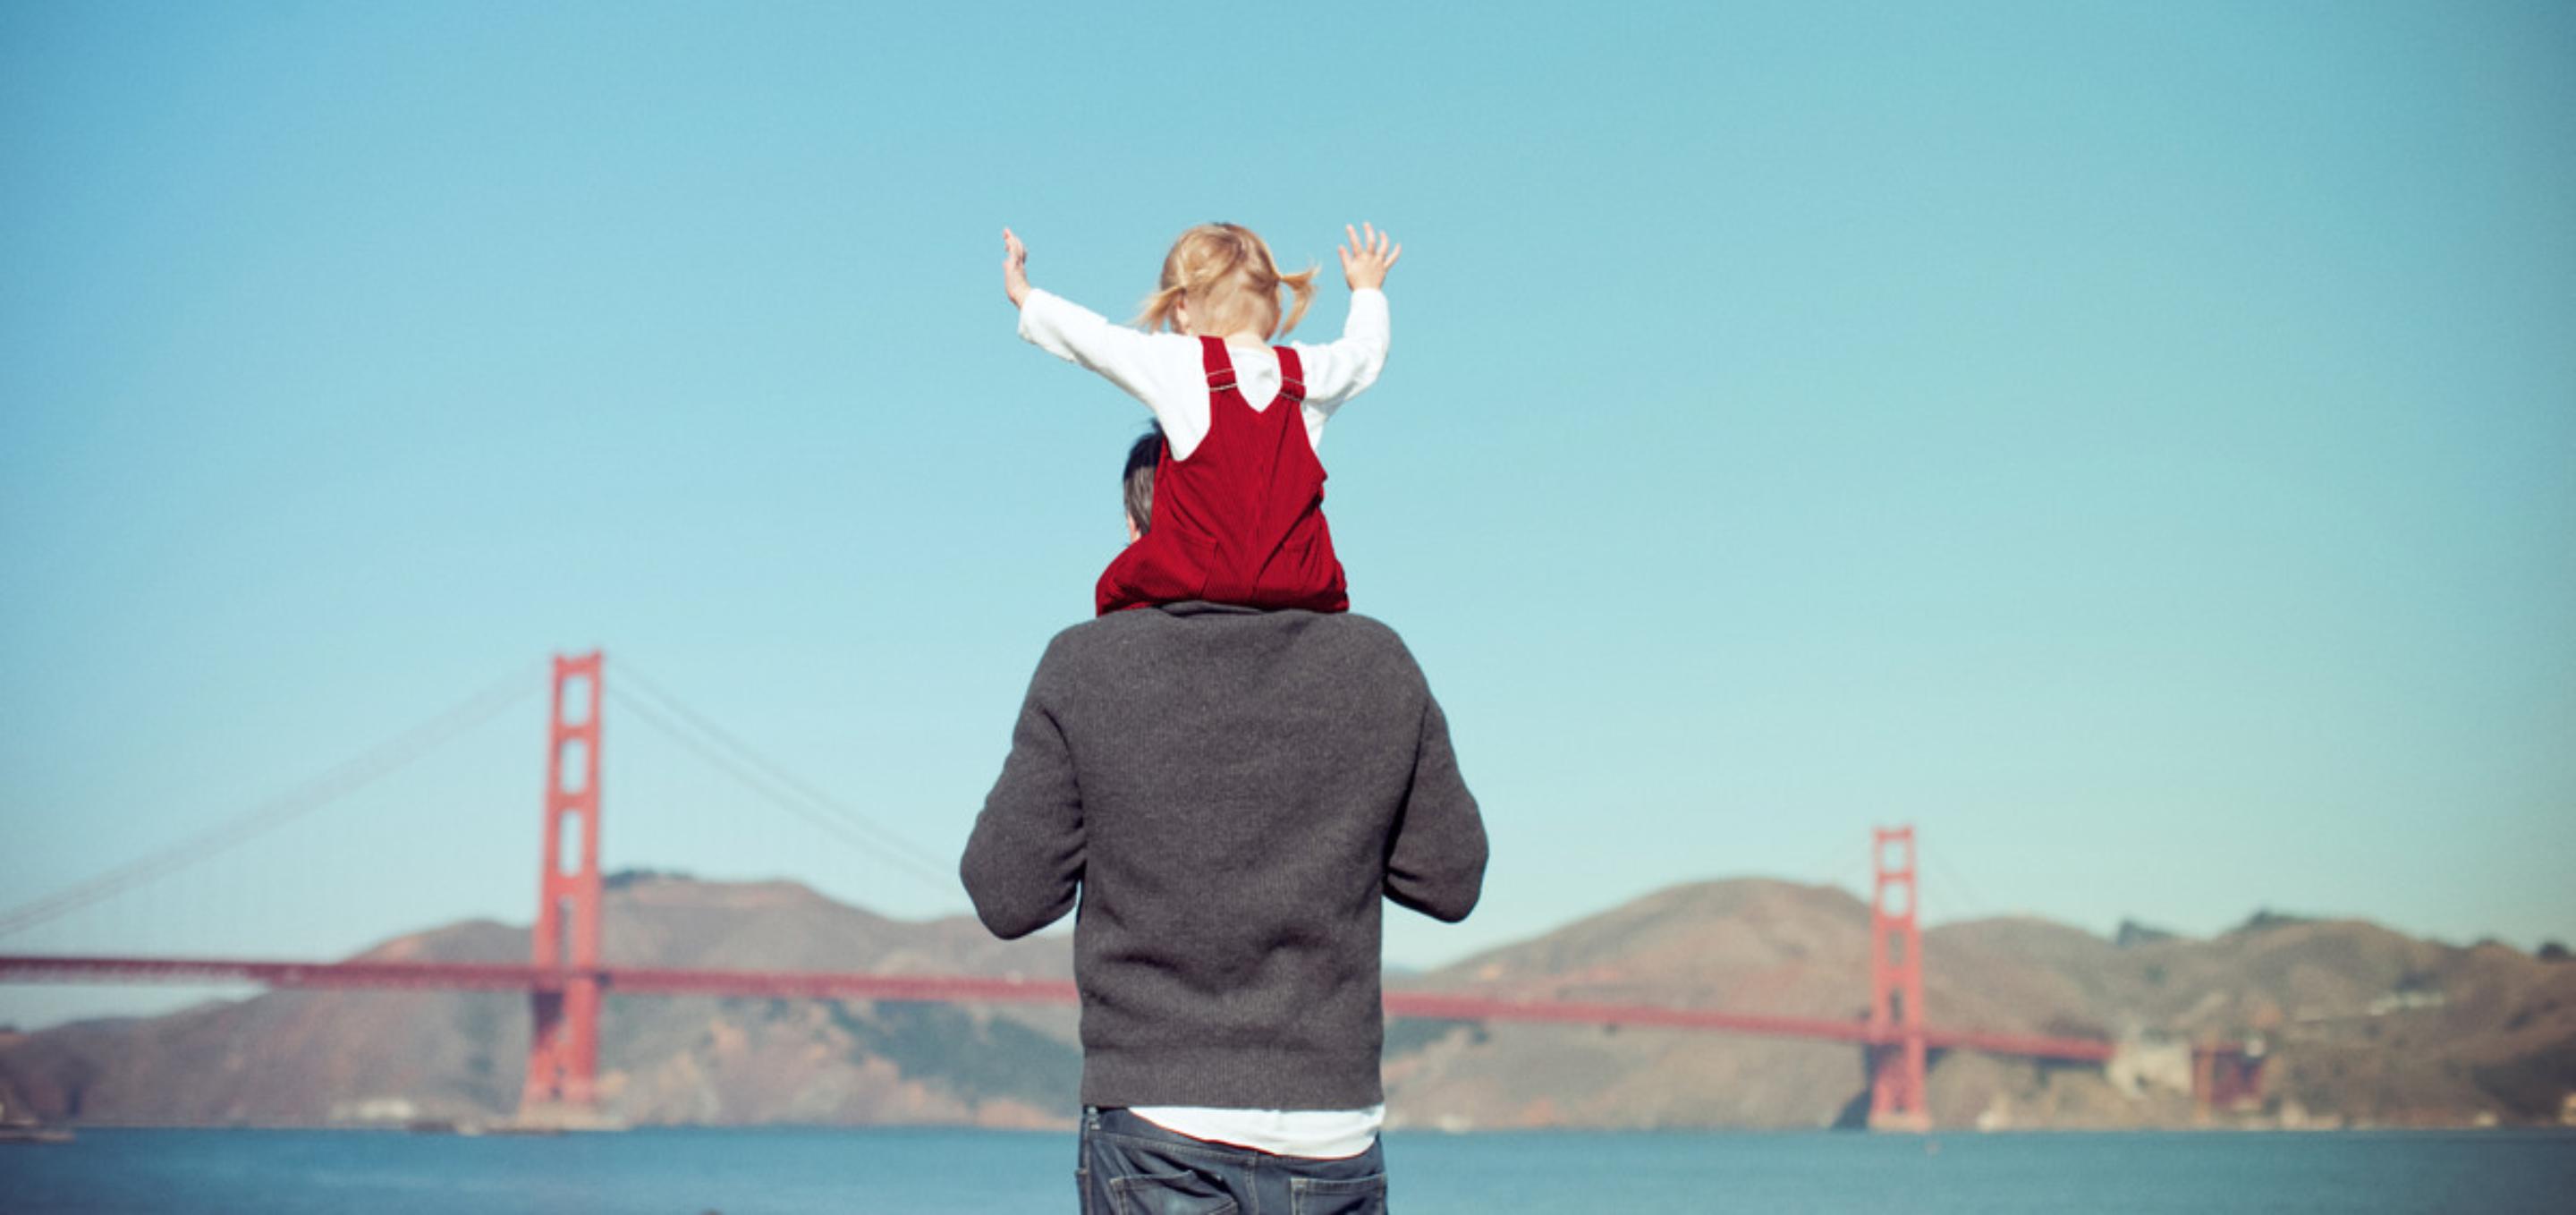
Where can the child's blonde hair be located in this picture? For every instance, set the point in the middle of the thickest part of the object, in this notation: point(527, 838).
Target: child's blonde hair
point(1226, 276)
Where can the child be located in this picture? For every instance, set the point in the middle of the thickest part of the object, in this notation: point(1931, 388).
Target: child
point(1239, 494)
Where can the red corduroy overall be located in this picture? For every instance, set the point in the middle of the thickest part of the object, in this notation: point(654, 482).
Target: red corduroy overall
point(1242, 519)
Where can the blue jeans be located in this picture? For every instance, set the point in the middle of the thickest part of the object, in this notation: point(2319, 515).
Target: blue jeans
point(1133, 1167)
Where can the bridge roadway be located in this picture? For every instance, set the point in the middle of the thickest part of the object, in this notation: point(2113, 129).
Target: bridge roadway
point(968, 989)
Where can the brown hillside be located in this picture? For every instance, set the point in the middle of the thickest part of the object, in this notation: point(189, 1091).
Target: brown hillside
point(2364, 1026)
point(325, 1056)
point(1748, 945)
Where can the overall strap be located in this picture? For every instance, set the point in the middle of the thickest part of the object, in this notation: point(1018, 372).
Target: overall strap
point(1292, 376)
point(1220, 369)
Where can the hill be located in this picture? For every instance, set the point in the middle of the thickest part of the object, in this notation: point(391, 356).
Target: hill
point(2365, 1026)
point(310, 1057)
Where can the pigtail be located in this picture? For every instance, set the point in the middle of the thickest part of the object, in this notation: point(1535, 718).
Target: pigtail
point(1300, 285)
point(1160, 305)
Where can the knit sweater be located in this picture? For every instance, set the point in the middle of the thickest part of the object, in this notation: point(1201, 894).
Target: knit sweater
point(1232, 794)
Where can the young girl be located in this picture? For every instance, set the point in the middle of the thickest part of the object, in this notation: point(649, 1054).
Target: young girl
point(1238, 493)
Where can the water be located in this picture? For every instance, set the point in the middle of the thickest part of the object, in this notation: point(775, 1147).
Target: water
point(797, 1172)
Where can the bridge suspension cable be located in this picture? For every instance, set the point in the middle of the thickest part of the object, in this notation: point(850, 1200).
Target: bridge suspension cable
point(1833, 866)
point(773, 783)
point(1968, 903)
point(378, 762)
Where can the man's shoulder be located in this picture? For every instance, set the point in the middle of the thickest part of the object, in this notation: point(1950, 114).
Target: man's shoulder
point(1287, 669)
point(1368, 632)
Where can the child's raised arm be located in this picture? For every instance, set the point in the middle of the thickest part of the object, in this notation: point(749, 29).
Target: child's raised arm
point(1339, 370)
point(1123, 356)
point(1015, 268)
point(1365, 260)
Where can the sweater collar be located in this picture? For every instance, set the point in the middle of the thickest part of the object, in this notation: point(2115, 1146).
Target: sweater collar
point(1198, 607)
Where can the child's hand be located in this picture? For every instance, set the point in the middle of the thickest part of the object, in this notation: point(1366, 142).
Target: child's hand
point(1015, 268)
point(1368, 257)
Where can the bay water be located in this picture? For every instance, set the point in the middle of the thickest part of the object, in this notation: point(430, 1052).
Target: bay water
point(936, 1172)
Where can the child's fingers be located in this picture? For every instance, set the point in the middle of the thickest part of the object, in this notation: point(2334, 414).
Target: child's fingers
point(1392, 255)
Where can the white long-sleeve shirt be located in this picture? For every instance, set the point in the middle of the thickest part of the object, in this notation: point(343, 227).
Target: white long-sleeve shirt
point(1168, 373)
point(1315, 1134)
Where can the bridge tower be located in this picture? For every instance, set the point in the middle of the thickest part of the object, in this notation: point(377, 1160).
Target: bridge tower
point(1896, 1053)
point(563, 1052)
point(2226, 1077)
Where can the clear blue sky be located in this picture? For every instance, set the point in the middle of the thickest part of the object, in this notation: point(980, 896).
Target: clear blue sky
point(2131, 442)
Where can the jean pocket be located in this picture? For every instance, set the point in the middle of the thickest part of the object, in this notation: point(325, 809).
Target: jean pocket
point(1168, 1194)
point(1337, 1196)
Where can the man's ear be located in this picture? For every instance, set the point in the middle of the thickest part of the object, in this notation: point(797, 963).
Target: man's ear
point(1132, 534)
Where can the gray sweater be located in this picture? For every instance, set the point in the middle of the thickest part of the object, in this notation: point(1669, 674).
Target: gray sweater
point(1232, 793)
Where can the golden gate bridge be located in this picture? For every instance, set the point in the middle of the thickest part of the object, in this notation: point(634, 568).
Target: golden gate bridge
point(567, 980)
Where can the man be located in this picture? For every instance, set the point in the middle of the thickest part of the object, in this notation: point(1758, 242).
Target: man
point(1231, 793)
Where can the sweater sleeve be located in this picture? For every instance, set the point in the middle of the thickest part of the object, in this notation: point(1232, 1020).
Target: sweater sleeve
point(1024, 861)
point(1435, 861)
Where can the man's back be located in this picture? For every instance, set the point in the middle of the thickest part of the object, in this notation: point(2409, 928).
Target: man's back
point(1233, 792)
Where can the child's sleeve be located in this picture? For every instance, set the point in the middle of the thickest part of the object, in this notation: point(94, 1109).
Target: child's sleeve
point(1339, 370)
point(1140, 364)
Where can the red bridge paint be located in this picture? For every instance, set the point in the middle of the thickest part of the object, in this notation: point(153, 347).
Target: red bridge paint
point(1897, 1055)
point(962, 989)
point(563, 1050)
point(566, 981)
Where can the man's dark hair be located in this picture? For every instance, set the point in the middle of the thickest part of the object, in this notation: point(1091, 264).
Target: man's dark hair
point(1141, 459)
